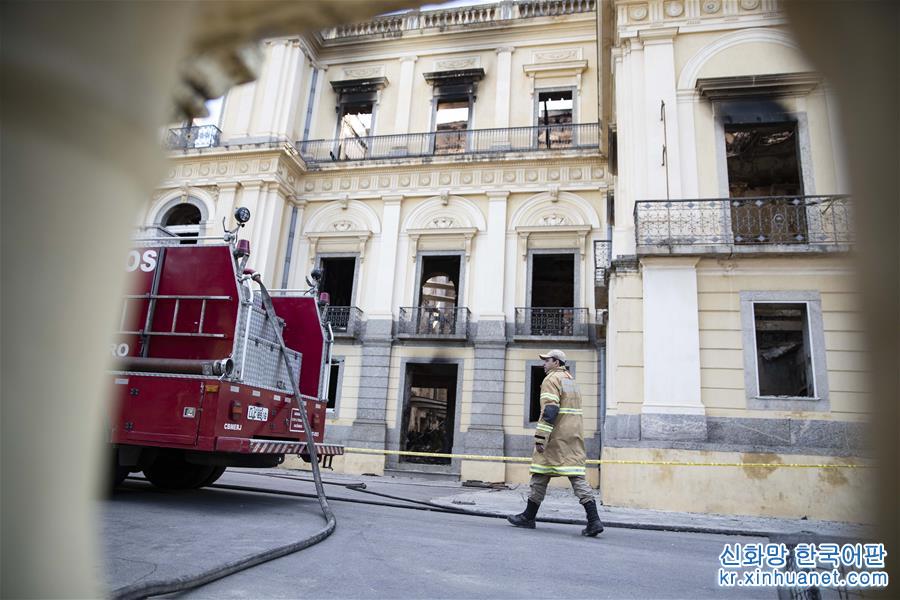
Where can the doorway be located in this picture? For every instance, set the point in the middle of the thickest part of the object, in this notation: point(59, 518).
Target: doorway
point(429, 411)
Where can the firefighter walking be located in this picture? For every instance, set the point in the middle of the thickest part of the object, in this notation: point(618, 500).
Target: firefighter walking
point(559, 445)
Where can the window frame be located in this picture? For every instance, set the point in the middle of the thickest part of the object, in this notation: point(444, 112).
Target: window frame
point(199, 229)
point(758, 112)
point(338, 140)
point(536, 116)
point(576, 273)
point(437, 99)
point(820, 402)
point(420, 260)
point(332, 413)
point(356, 267)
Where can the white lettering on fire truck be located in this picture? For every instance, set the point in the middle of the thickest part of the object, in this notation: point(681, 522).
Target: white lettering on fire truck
point(233, 426)
point(146, 262)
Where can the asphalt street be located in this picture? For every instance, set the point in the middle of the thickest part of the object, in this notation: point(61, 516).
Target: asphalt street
point(384, 552)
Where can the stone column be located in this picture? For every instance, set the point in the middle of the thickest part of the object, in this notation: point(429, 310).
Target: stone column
point(272, 229)
point(250, 198)
point(370, 427)
point(381, 290)
point(404, 94)
point(293, 260)
point(503, 95)
point(672, 408)
point(504, 75)
point(277, 90)
point(485, 434)
point(628, 62)
point(663, 181)
point(225, 205)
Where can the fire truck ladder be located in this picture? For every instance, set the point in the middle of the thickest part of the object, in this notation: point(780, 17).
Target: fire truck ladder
point(146, 331)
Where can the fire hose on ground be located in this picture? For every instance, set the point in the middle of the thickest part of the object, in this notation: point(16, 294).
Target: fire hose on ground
point(176, 584)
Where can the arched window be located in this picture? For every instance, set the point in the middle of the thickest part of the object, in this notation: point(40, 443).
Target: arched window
point(438, 294)
point(439, 291)
point(183, 220)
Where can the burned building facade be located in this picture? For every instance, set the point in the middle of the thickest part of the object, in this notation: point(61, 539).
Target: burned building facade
point(653, 187)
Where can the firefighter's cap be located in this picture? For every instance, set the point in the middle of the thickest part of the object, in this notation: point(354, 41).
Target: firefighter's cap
point(557, 354)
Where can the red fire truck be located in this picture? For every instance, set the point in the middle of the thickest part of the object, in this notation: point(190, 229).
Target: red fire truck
point(200, 383)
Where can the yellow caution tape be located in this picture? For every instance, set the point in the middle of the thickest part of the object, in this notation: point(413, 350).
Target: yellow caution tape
point(663, 463)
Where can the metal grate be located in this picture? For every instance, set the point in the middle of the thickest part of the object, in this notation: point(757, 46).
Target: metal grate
point(202, 136)
point(602, 250)
point(468, 141)
point(799, 221)
point(257, 356)
point(434, 322)
point(552, 321)
point(344, 319)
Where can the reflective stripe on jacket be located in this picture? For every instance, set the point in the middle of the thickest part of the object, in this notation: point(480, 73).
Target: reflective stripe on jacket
point(563, 439)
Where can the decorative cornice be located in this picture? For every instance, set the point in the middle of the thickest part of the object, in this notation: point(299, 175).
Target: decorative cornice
point(748, 86)
point(658, 36)
point(639, 16)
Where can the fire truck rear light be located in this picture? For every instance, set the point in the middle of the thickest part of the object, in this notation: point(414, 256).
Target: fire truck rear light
point(235, 413)
point(242, 248)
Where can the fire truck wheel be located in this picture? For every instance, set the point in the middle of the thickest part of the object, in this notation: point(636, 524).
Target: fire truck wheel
point(213, 477)
point(119, 475)
point(172, 472)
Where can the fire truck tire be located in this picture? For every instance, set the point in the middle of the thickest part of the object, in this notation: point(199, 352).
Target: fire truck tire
point(119, 475)
point(213, 477)
point(172, 472)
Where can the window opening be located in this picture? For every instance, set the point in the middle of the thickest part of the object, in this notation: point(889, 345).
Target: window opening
point(552, 294)
point(184, 221)
point(355, 127)
point(334, 377)
point(763, 164)
point(438, 295)
point(783, 357)
point(338, 277)
point(534, 397)
point(555, 118)
point(451, 124)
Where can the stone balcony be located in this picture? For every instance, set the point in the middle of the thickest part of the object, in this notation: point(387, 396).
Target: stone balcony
point(464, 17)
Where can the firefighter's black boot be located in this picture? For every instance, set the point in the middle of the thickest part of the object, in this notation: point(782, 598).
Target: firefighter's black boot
point(525, 519)
point(594, 526)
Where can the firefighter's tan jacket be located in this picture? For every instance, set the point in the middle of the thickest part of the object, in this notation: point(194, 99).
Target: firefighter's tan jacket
point(563, 439)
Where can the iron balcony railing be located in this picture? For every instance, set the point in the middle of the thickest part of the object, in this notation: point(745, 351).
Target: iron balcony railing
point(552, 321)
point(783, 223)
point(434, 322)
point(602, 249)
point(465, 141)
point(201, 136)
point(465, 16)
point(344, 320)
